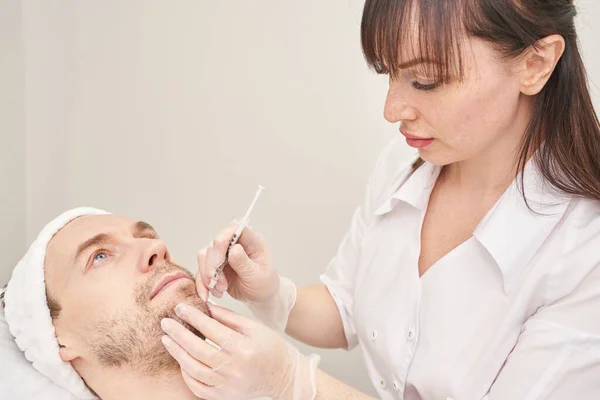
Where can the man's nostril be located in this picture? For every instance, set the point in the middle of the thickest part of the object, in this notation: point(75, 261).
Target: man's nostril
point(152, 259)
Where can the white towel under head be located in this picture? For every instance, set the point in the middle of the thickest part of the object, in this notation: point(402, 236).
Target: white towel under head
point(27, 313)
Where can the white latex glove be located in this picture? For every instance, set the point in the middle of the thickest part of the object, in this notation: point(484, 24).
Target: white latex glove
point(275, 312)
point(250, 361)
point(248, 276)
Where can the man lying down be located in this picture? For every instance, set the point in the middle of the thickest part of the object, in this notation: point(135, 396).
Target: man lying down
point(94, 327)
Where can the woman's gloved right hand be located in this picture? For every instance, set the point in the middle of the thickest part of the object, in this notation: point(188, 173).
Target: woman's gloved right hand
point(248, 276)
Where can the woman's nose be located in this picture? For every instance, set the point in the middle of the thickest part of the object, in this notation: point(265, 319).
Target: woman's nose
point(157, 253)
point(397, 107)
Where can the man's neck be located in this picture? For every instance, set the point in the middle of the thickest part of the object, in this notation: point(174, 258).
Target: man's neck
point(120, 384)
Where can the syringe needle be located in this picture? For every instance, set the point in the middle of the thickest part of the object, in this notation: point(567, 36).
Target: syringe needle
point(243, 223)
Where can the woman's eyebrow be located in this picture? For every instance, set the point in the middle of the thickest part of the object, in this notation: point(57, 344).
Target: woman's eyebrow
point(412, 63)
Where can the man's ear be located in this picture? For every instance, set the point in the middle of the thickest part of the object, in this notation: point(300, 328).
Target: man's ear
point(67, 353)
point(539, 63)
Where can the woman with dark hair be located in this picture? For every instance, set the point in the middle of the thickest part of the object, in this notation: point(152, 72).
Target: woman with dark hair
point(472, 273)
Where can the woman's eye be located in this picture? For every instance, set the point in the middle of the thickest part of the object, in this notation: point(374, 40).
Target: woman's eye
point(424, 86)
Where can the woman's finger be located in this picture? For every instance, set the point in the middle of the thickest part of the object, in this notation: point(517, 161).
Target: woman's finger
point(254, 244)
point(193, 367)
point(192, 344)
point(215, 257)
point(209, 327)
point(201, 286)
point(223, 238)
point(199, 389)
point(230, 319)
point(241, 263)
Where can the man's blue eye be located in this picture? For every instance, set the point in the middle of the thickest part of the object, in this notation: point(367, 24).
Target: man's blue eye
point(100, 256)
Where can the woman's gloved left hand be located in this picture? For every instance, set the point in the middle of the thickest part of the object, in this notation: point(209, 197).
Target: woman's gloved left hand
point(249, 361)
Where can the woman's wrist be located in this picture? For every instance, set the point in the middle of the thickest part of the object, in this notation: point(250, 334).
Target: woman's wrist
point(276, 311)
point(302, 382)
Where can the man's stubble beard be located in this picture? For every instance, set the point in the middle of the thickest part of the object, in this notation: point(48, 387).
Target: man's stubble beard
point(133, 339)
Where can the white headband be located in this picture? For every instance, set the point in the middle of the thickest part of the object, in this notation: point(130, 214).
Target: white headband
point(27, 313)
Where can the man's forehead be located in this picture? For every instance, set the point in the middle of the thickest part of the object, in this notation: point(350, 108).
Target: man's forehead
point(66, 240)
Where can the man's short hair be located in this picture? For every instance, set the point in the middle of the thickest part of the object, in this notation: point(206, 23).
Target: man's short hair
point(53, 306)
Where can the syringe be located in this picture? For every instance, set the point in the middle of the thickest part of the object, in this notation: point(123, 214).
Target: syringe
point(242, 224)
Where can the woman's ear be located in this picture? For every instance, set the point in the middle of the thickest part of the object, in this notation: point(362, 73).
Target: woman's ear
point(539, 63)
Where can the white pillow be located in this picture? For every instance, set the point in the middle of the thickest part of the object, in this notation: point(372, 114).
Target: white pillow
point(18, 379)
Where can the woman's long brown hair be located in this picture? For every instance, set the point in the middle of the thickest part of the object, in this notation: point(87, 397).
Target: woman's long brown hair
point(563, 119)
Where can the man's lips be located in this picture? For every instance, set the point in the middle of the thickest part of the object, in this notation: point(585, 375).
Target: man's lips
point(166, 280)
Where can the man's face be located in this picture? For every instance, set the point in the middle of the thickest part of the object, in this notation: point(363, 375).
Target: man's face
point(108, 274)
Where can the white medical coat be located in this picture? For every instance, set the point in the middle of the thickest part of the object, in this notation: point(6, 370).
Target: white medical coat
point(513, 313)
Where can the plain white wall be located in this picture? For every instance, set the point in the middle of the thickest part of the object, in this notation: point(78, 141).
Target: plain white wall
point(12, 138)
point(174, 111)
point(588, 29)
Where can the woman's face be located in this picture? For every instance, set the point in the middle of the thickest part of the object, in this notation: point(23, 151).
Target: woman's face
point(484, 115)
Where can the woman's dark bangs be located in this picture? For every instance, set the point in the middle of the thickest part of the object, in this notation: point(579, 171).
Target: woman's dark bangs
point(389, 38)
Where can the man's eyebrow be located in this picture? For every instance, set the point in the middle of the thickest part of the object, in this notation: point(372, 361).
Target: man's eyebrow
point(98, 240)
point(141, 227)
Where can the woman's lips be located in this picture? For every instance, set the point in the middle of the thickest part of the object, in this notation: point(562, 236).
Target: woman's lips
point(416, 141)
point(419, 143)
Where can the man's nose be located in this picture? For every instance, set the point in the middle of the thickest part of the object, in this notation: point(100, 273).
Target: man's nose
point(156, 253)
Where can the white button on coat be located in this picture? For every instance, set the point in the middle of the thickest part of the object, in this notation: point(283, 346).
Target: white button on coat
point(511, 313)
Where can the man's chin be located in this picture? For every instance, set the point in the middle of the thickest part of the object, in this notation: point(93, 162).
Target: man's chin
point(186, 294)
